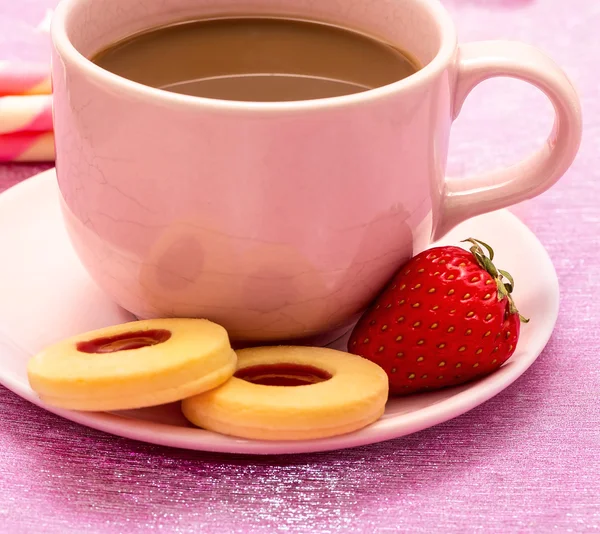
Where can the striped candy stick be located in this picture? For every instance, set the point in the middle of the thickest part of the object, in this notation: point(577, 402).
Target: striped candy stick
point(31, 113)
point(24, 78)
point(27, 146)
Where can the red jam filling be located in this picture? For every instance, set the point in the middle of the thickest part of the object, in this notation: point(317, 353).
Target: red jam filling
point(283, 374)
point(126, 341)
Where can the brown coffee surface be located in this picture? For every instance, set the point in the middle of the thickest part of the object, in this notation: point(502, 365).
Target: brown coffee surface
point(256, 59)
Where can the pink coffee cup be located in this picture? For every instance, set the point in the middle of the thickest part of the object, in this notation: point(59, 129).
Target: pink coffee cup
point(277, 220)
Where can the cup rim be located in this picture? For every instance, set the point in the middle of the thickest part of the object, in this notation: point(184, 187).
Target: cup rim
point(67, 50)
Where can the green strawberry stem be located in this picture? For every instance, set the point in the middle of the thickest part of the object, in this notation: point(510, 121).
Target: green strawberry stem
point(505, 289)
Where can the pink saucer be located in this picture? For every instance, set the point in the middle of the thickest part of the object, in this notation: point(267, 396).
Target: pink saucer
point(47, 296)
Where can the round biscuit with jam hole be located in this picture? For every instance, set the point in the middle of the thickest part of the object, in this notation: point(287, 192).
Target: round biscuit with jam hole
point(293, 393)
point(133, 365)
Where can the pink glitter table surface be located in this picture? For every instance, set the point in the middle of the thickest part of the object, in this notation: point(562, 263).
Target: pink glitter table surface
point(526, 461)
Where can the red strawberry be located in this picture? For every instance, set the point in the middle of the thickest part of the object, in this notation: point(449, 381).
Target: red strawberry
point(447, 317)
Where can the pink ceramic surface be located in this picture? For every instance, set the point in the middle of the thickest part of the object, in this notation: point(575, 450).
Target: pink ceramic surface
point(41, 272)
point(277, 220)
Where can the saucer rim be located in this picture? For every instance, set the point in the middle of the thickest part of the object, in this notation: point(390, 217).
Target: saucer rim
point(471, 396)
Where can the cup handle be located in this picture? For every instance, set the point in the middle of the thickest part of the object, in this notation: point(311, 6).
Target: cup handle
point(466, 197)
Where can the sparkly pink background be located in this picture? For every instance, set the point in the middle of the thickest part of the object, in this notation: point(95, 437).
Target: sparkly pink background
point(526, 461)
